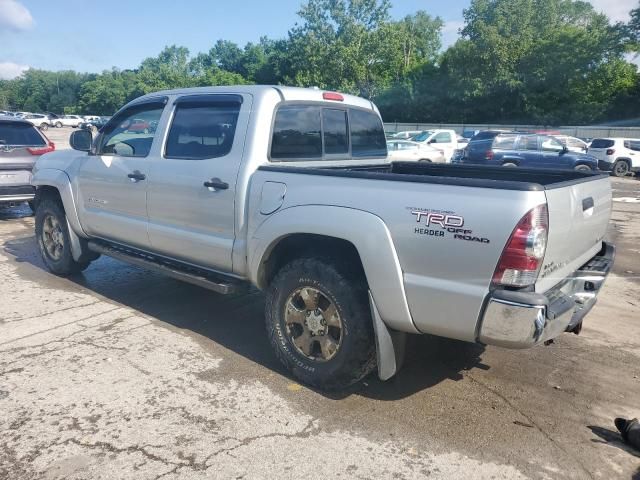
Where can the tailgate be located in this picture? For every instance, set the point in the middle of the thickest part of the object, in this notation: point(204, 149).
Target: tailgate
point(578, 219)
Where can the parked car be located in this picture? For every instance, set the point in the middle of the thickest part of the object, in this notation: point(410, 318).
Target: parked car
point(39, 120)
point(525, 150)
point(21, 144)
point(445, 140)
point(620, 156)
point(68, 121)
point(408, 151)
point(352, 251)
point(469, 134)
point(138, 125)
point(406, 135)
point(96, 124)
point(90, 118)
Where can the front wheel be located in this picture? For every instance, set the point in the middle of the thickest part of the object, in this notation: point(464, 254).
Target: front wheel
point(582, 168)
point(620, 169)
point(44, 127)
point(319, 323)
point(53, 239)
point(58, 124)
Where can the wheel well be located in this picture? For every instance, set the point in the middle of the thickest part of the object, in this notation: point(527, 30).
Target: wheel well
point(299, 245)
point(46, 191)
point(624, 159)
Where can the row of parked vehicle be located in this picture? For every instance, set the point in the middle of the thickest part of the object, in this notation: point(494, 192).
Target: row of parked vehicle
point(46, 120)
point(620, 156)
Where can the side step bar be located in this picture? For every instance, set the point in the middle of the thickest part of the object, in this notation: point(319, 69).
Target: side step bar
point(201, 278)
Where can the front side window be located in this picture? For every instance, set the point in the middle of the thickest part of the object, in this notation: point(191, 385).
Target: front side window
point(367, 134)
point(131, 132)
point(202, 129)
point(442, 137)
point(550, 144)
point(296, 133)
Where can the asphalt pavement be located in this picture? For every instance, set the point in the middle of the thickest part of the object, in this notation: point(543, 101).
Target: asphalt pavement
point(122, 373)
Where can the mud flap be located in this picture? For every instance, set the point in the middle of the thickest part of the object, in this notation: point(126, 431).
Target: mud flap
point(390, 345)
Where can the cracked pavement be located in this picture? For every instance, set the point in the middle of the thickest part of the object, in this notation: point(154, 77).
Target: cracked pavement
point(121, 373)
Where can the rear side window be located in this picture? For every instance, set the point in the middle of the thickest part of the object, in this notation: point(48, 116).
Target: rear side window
point(602, 143)
point(202, 128)
point(367, 135)
point(296, 133)
point(528, 142)
point(20, 134)
point(505, 142)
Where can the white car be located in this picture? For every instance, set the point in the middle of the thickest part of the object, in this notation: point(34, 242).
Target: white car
point(445, 140)
point(573, 144)
point(408, 151)
point(68, 121)
point(39, 120)
point(90, 118)
point(620, 156)
point(406, 135)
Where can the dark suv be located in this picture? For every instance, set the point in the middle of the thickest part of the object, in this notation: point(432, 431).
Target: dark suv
point(517, 149)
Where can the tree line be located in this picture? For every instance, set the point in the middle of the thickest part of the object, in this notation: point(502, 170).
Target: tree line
point(516, 61)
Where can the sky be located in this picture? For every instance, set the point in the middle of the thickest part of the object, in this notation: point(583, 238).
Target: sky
point(94, 36)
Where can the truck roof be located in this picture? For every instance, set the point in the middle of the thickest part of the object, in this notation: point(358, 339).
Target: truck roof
point(286, 93)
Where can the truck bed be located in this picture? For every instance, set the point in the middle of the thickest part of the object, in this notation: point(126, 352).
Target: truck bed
point(523, 179)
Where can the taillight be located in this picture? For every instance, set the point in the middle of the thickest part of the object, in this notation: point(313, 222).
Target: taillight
point(336, 97)
point(488, 155)
point(611, 151)
point(41, 151)
point(522, 258)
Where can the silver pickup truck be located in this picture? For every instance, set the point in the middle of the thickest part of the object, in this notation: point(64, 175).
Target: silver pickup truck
point(289, 190)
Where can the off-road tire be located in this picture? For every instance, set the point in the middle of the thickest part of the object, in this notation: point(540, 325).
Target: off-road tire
point(347, 289)
point(620, 169)
point(65, 265)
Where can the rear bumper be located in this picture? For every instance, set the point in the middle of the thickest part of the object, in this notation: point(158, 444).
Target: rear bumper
point(514, 319)
point(21, 193)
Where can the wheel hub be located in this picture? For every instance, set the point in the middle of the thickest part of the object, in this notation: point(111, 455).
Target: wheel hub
point(315, 323)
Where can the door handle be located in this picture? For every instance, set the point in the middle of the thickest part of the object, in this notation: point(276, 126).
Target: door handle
point(136, 176)
point(216, 184)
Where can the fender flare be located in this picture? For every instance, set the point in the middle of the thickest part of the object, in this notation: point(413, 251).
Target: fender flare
point(59, 180)
point(365, 231)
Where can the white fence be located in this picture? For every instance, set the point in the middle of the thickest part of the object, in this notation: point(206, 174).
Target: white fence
point(580, 132)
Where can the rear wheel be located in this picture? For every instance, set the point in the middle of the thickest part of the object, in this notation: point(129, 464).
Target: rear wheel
point(582, 168)
point(426, 160)
point(319, 323)
point(58, 124)
point(620, 168)
point(53, 239)
point(44, 127)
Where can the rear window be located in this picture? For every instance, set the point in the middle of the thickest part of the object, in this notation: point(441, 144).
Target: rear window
point(296, 133)
point(367, 135)
point(313, 132)
point(20, 134)
point(602, 143)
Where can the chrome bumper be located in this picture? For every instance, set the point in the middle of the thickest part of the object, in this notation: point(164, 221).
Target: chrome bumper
point(515, 319)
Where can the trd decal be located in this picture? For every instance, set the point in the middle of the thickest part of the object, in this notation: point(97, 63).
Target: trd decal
point(443, 224)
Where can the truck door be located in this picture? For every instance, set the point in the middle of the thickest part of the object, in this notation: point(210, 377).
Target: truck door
point(192, 186)
point(112, 184)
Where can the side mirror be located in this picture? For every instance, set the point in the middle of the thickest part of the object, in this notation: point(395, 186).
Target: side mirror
point(433, 140)
point(564, 150)
point(81, 140)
